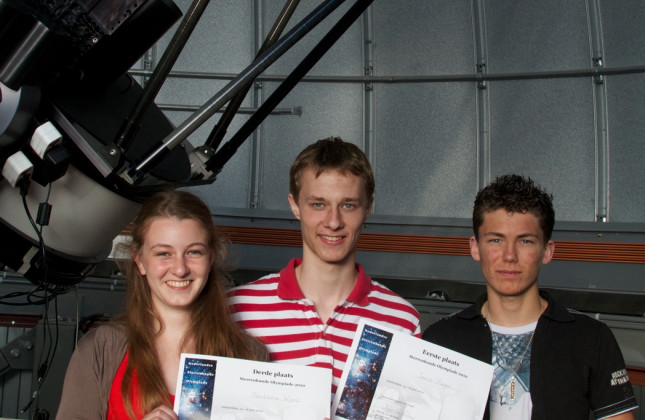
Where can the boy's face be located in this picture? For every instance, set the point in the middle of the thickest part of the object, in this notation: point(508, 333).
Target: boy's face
point(510, 250)
point(332, 209)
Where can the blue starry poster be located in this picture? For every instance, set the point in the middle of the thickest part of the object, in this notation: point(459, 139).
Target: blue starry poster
point(363, 377)
point(196, 395)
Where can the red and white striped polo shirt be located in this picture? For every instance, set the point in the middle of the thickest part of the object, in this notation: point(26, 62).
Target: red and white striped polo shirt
point(274, 310)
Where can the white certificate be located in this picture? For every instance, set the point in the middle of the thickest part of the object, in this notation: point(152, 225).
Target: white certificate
point(222, 388)
point(393, 375)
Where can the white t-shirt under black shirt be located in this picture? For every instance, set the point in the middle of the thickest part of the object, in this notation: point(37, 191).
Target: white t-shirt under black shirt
point(510, 393)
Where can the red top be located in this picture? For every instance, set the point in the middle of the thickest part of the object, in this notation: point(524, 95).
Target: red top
point(275, 310)
point(116, 408)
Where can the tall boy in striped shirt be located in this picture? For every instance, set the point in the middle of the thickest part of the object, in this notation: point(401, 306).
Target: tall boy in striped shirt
point(308, 312)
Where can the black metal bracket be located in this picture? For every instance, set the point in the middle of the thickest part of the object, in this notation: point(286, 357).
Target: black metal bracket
point(18, 353)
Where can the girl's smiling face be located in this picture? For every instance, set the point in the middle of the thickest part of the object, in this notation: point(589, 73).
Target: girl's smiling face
point(175, 260)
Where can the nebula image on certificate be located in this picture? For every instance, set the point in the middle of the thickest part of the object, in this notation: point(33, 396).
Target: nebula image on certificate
point(364, 375)
point(196, 398)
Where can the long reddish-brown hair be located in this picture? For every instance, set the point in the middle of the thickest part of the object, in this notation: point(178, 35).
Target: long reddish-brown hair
point(211, 331)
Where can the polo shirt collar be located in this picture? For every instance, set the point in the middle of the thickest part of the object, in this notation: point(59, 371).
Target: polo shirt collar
point(361, 288)
point(554, 311)
point(474, 310)
point(289, 289)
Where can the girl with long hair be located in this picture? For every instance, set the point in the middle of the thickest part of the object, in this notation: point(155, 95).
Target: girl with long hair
point(175, 303)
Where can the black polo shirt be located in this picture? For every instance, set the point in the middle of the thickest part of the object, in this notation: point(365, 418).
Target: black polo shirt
point(576, 364)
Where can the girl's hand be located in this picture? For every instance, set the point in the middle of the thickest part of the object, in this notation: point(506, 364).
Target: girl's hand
point(163, 412)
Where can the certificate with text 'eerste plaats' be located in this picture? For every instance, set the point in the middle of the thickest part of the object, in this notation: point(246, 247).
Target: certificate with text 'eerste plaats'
point(390, 375)
point(222, 388)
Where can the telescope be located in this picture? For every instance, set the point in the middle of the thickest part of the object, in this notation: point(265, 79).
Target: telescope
point(82, 143)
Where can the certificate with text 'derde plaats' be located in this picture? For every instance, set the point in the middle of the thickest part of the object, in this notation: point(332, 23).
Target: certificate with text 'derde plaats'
point(222, 388)
point(393, 375)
